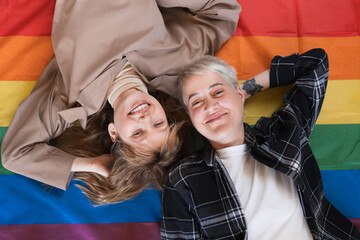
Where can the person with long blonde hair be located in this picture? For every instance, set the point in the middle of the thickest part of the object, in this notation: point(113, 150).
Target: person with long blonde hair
point(108, 57)
point(133, 169)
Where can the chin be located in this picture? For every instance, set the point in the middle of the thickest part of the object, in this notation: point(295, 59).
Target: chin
point(218, 137)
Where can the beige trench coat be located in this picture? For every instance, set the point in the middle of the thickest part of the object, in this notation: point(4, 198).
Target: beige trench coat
point(91, 40)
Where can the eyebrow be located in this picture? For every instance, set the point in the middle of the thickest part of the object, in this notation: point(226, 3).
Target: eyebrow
point(211, 86)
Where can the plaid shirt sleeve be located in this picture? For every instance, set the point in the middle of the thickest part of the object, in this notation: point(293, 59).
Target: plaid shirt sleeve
point(310, 72)
point(177, 220)
point(282, 139)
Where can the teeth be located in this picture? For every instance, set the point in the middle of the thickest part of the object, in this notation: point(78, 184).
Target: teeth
point(138, 108)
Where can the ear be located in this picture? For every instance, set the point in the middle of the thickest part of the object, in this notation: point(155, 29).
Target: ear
point(241, 92)
point(112, 131)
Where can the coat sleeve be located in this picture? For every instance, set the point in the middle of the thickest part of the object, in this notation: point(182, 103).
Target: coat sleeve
point(223, 15)
point(25, 148)
point(193, 29)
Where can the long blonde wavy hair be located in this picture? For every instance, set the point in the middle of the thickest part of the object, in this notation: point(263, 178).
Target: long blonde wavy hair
point(134, 169)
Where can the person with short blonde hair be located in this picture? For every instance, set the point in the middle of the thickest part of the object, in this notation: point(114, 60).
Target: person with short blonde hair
point(260, 182)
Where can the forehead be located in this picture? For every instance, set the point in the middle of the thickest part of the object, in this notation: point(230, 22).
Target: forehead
point(202, 81)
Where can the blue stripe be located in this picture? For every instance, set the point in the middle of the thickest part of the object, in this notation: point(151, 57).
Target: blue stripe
point(342, 189)
point(25, 201)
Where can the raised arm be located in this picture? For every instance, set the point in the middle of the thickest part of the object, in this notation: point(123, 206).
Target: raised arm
point(42, 116)
point(309, 71)
point(221, 15)
point(193, 29)
point(256, 84)
point(25, 148)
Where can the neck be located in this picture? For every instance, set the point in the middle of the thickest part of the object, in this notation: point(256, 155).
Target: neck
point(239, 140)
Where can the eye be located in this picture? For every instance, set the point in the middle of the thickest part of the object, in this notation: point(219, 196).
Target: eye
point(195, 103)
point(218, 92)
point(159, 124)
point(137, 133)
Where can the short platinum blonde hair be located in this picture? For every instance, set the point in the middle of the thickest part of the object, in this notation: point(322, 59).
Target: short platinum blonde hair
point(202, 65)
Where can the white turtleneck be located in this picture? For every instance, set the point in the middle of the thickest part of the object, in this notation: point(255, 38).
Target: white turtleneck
point(126, 79)
point(268, 198)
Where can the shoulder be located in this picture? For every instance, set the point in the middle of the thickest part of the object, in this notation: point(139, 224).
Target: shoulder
point(181, 173)
point(281, 129)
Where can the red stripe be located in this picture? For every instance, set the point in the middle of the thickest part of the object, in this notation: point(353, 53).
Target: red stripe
point(292, 18)
point(26, 18)
point(94, 231)
point(278, 18)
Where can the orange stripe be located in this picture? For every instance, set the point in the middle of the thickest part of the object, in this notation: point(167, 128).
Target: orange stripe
point(251, 55)
point(24, 58)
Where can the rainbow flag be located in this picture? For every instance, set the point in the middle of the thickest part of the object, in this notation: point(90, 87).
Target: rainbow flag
point(29, 210)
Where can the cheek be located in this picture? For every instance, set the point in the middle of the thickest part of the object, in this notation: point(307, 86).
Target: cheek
point(227, 102)
point(123, 126)
point(196, 117)
point(119, 121)
point(119, 114)
point(160, 113)
point(120, 129)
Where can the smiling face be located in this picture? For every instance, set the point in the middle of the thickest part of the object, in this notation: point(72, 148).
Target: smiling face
point(139, 120)
point(215, 109)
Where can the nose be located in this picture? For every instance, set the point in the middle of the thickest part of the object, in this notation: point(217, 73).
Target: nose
point(144, 115)
point(146, 119)
point(210, 104)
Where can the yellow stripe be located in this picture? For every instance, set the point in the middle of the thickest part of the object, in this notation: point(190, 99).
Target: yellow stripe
point(11, 94)
point(341, 104)
point(24, 58)
point(251, 55)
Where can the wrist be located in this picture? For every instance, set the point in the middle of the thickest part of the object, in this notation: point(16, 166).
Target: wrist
point(250, 87)
point(82, 165)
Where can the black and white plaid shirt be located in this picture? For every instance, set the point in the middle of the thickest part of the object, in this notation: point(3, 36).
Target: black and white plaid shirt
point(199, 199)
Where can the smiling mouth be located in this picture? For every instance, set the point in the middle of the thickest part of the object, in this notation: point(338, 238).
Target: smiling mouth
point(140, 108)
point(215, 117)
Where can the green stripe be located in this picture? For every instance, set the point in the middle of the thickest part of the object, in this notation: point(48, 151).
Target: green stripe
point(3, 171)
point(336, 147)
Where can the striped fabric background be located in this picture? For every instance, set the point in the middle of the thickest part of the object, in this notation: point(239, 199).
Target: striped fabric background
point(29, 210)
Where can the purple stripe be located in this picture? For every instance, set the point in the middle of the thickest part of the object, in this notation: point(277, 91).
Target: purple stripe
point(92, 231)
point(356, 222)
